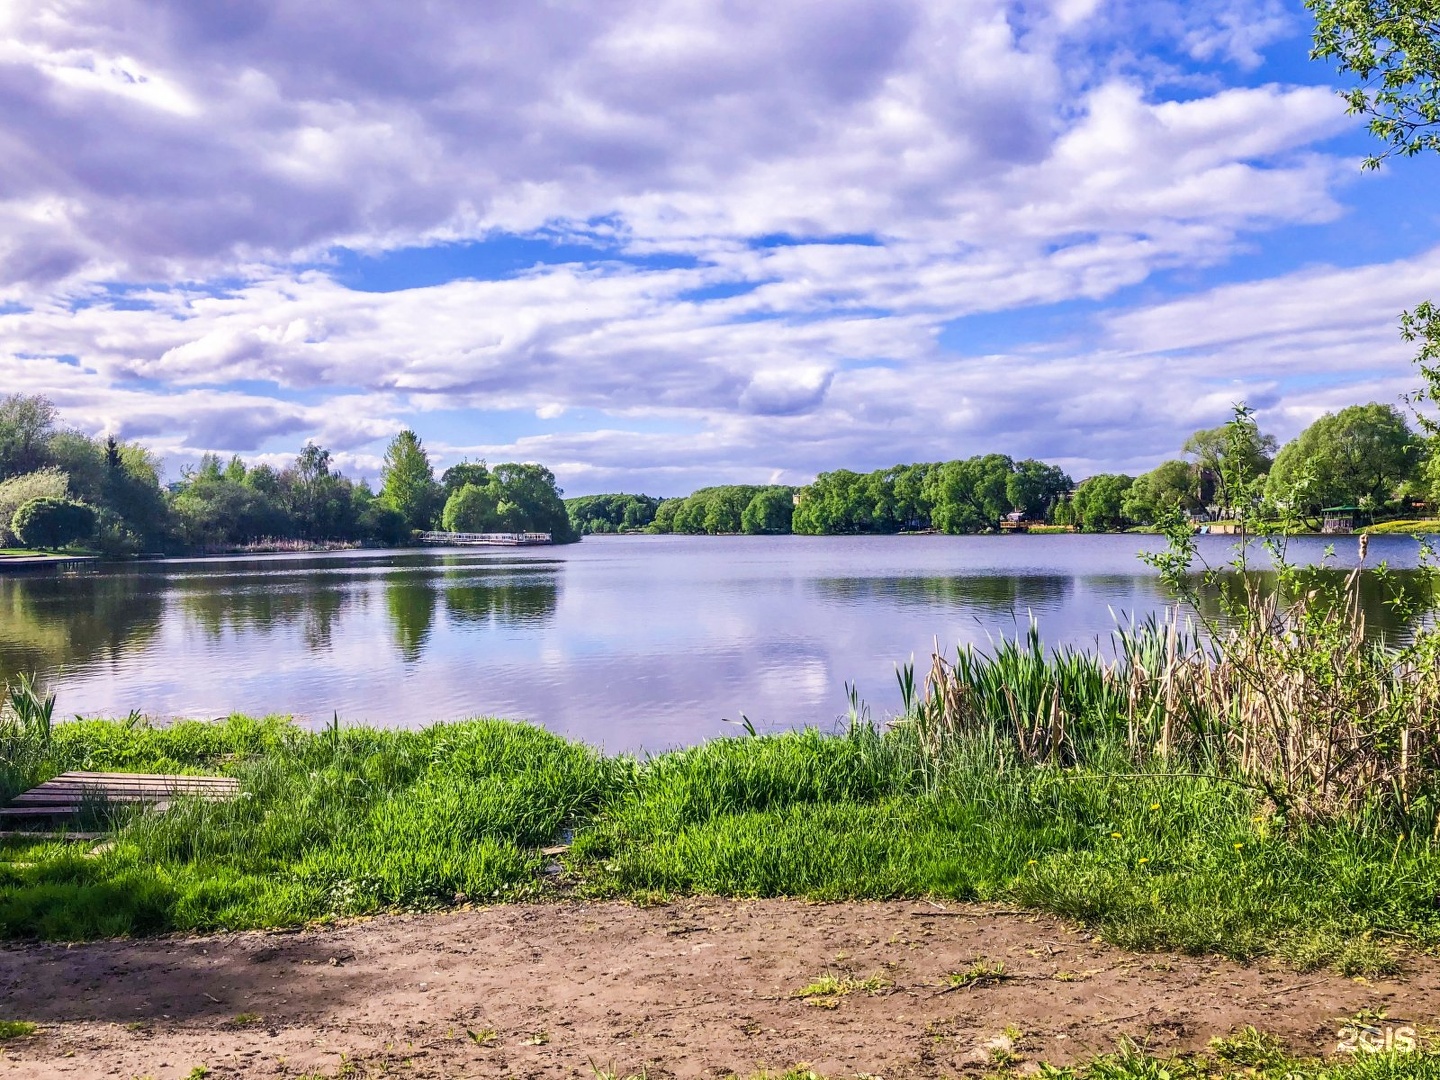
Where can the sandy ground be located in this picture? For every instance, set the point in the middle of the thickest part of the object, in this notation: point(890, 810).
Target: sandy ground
point(695, 988)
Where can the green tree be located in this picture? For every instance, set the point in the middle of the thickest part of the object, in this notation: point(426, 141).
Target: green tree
point(610, 513)
point(665, 515)
point(48, 483)
point(1099, 502)
point(1163, 488)
point(52, 523)
point(27, 423)
point(408, 480)
point(471, 509)
point(1223, 452)
point(971, 495)
point(1358, 456)
point(1393, 48)
point(769, 511)
point(1034, 487)
point(466, 472)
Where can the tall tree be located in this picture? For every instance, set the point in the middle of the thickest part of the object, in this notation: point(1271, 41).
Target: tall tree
point(1356, 457)
point(1168, 485)
point(1220, 457)
point(1099, 503)
point(408, 480)
point(26, 424)
point(1034, 487)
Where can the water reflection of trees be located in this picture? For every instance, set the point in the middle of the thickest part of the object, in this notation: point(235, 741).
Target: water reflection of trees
point(990, 593)
point(471, 597)
point(53, 623)
point(1377, 596)
point(265, 602)
point(502, 601)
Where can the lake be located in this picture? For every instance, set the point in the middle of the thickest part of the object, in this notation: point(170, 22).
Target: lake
point(625, 642)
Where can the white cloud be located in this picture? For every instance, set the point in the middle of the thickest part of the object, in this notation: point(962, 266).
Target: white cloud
point(984, 159)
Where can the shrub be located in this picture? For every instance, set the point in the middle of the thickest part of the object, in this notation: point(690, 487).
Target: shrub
point(52, 523)
point(18, 490)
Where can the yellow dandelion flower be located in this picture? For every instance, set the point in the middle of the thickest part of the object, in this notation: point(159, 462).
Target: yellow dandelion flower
point(1144, 861)
point(1030, 863)
point(1155, 806)
point(1239, 846)
point(1116, 836)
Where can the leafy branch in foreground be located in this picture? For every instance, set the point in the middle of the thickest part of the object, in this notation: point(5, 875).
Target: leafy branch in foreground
point(1393, 47)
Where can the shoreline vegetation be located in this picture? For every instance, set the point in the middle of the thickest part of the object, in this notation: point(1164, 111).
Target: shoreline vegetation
point(1262, 784)
point(1265, 787)
point(64, 491)
point(1363, 461)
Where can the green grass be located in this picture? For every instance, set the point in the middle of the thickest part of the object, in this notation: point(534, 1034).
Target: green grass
point(1409, 527)
point(352, 822)
point(15, 1029)
point(1251, 1055)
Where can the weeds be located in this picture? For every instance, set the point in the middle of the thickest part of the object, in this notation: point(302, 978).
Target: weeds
point(826, 991)
point(1249, 1055)
point(15, 1029)
point(982, 972)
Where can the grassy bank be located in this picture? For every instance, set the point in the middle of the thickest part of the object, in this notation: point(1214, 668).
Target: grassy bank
point(356, 821)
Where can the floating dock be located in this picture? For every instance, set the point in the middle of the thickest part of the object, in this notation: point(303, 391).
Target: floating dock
point(459, 539)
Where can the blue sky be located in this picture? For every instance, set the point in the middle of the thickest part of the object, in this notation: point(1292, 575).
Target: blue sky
point(655, 246)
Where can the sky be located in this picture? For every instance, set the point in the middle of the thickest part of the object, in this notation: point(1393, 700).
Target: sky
point(660, 245)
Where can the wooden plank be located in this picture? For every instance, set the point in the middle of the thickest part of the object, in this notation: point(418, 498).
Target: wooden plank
point(119, 785)
point(198, 778)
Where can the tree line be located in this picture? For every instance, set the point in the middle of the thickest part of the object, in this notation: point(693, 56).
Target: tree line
point(1364, 456)
point(60, 487)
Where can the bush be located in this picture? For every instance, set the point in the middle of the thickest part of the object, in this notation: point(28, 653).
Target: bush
point(49, 522)
point(18, 490)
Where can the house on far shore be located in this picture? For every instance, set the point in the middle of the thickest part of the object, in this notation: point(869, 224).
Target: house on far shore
point(1015, 522)
point(1338, 519)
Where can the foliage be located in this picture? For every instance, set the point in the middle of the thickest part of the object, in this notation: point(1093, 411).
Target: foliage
point(770, 510)
point(1288, 690)
point(1034, 487)
point(52, 523)
point(46, 483)
point(610, 513)
point(1099, 502)
point(219, 505)
point(465, 472)
point(724, 509)
point(471, 508)
point(1393, 48)
point(1169, 485)
point(408, 481)
point(1220, 452)
point(26, 425)
point(1357, 457)
point(970, 496)
point(514, 498)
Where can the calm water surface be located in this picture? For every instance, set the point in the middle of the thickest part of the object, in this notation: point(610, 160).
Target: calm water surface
point(626, 642)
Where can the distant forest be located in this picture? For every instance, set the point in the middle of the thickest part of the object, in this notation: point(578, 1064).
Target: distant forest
point(1364, 456)
point(61, 488)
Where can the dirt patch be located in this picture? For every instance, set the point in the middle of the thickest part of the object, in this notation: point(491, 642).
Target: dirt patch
point(694, 988)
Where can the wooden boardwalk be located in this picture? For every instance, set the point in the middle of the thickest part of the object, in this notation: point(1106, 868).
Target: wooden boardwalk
point(65, 795)
point(459, 539)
